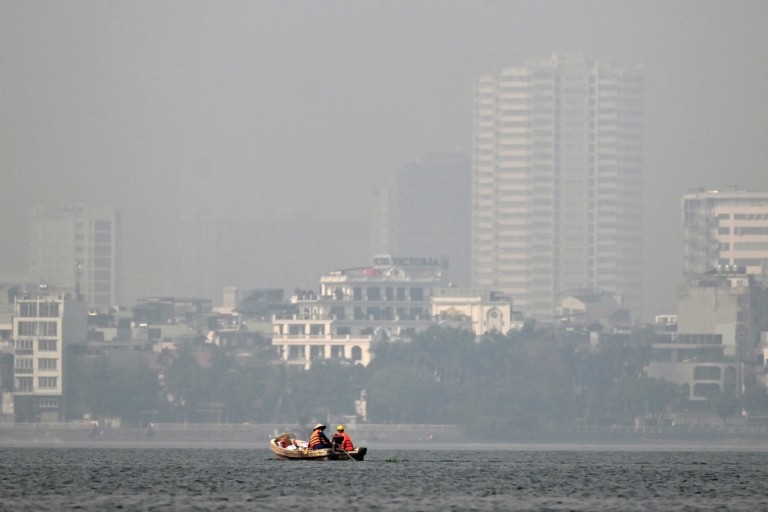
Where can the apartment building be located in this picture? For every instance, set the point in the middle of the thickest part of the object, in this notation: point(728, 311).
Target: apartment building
point(725, 228)
point(557, 181)
point(44, 323)
point(77, 247)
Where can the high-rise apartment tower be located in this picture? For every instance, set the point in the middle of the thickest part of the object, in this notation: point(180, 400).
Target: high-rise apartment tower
point(557, 181)
point(77, 247)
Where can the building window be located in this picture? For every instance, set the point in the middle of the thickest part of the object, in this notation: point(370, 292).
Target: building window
point(102, 263)
point(49, 309)
point(751, 230)
point(357, 353)
point(47, 364)
point(316, 352)
point(27, 329)
point(28, 309)
point(46, 345)
point(24, 384)
point(24, 345)
point(706, 373)
point(47, 329)
point(706, 390)
point(23, 364)
point(47, 382)
point(296, 352)
point(102, 250)
point(101, 287)
point(102, 275)
point(48, 402)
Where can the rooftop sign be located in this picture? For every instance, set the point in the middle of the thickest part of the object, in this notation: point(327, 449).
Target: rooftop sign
point(406, 261)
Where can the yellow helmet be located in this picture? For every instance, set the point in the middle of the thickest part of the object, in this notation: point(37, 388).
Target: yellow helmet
point(340, 427)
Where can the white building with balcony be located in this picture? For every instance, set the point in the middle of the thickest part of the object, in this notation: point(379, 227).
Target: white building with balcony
point(43, 324)
point(390, 299)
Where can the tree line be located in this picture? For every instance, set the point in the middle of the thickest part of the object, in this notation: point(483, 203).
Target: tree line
point(498, 386)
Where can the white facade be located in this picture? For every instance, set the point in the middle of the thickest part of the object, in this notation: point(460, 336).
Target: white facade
point(557, 181)
point(482, 311)
point(77, 247)
point(725, 228)
point(387, 300)
point(42, 325)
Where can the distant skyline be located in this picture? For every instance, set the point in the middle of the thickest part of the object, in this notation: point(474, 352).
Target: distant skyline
point(261, 110)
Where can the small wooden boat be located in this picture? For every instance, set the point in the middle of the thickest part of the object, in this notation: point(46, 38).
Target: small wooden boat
point(286, 446)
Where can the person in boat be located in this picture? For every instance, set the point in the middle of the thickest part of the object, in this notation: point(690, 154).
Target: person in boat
point(318, 440)
point(342, 440)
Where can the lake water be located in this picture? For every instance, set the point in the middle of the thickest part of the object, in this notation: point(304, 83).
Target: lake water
point(514, 478)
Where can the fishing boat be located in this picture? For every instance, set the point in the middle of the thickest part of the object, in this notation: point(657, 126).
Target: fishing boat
point(286, 446)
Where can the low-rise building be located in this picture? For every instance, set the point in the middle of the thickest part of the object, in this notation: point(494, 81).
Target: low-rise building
point(714, 351)
point(390, 299)
point(481, 311)
point(696, 362)
point(43, 325)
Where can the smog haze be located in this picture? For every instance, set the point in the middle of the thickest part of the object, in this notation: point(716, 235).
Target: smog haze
point(291, 114)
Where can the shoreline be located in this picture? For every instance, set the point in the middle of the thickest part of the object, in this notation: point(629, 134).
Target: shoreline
point(446, 437)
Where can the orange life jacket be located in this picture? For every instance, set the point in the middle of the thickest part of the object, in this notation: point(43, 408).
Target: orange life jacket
point(317, 439)
point(346, 443)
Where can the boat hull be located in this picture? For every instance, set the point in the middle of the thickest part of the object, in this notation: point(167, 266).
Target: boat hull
point(299, 453)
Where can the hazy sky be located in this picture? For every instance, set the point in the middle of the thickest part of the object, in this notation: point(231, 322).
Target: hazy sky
point(259, 108)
